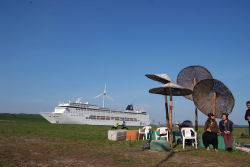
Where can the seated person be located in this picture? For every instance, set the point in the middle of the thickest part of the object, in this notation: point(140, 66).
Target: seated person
point(210, 135)
point(226, 128)
point(116, 124)
point(124, 125)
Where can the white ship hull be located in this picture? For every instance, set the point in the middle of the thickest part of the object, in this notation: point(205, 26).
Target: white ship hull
point(78, 113)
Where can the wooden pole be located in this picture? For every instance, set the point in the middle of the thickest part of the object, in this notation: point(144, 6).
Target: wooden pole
point(196, 112)
point(214, 103)
point(171, 111)
point(196, 118)
point(166, 109)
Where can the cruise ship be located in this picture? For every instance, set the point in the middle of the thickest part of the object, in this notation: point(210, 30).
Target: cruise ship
point(84, 113)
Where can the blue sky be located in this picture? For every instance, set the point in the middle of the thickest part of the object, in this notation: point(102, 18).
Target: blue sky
point(58, 50)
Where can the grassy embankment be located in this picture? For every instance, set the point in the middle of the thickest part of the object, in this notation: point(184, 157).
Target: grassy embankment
point(29, 140)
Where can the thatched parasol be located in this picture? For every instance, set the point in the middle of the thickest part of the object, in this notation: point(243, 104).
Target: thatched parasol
point(188, 77)
point(212, 96)
point(163, 78)
point(171, 89)
point(177, 90)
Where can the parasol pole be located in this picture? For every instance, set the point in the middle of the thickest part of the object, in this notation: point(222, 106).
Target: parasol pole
point(166, 109)
point(196, 112)
point(196, 118)
point(171, 110)
point(214, 104)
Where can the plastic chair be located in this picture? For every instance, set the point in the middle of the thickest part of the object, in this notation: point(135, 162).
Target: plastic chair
point(141, 132)
point(163, 133)
point(147, 130)
point(187, 134)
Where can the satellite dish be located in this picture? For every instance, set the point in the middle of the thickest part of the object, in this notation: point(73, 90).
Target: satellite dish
point(191, 75)
point(212, 96)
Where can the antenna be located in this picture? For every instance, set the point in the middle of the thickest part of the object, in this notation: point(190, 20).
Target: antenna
point(104, 94)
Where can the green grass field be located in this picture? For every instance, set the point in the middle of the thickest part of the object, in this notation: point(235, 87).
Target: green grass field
point(29, 140)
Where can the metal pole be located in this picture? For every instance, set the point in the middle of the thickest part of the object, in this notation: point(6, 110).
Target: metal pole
point(103, 101)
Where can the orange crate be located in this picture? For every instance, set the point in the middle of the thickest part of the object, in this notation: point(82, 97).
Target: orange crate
point(132, 135)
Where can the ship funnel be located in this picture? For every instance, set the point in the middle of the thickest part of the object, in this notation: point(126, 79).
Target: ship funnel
point(130, 107)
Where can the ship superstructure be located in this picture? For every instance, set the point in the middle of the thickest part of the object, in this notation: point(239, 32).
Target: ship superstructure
point(84, 113)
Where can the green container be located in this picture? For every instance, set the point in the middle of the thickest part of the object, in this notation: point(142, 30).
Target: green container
point(159, 145)
point(176, 136)
point(153, 137)
point(221, 143)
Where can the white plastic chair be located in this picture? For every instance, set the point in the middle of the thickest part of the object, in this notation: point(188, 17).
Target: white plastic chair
point(163, 133)
point(141, 132)
point(187, 134)
point(147, 130)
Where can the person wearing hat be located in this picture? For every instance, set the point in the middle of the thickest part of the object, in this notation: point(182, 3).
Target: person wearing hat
point(210, 132)
point(226, 128)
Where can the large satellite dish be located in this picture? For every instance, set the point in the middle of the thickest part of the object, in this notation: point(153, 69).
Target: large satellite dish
point(212, 96)
point(191, 75)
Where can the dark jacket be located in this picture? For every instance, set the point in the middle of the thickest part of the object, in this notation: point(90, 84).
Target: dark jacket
point(213, 126)
point(247, 114)
point(228, 124)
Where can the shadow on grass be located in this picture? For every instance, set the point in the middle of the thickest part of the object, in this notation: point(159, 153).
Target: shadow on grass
point(170, 155)
point(166, 159)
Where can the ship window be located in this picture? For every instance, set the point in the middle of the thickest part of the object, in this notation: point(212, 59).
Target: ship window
point(92, 117)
